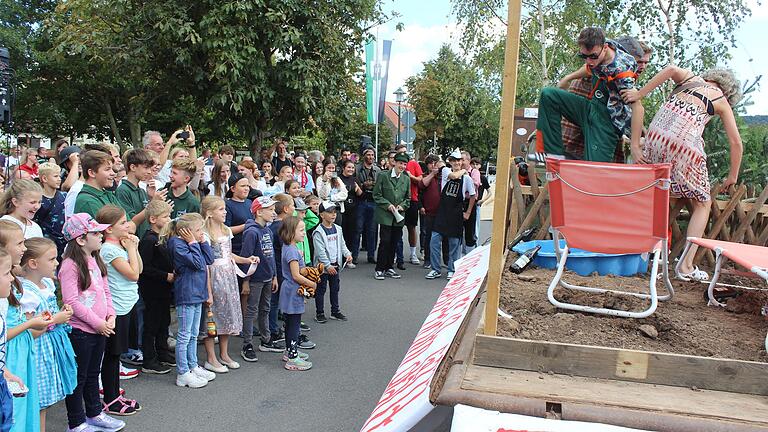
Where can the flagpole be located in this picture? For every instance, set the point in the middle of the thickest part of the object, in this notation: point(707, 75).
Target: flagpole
point(377, 89)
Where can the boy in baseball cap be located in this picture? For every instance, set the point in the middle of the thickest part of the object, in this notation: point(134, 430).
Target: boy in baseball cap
point(332, 252)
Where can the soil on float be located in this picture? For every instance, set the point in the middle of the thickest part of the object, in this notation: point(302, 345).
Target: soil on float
point(684, 325)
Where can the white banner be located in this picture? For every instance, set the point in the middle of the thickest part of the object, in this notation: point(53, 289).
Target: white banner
point(471, 419)
point(406, 399)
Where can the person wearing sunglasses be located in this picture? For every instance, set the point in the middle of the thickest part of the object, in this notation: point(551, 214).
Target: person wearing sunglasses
point(602, 115)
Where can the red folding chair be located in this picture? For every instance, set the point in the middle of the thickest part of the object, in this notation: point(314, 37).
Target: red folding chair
point(613, 209)
point(753, 258)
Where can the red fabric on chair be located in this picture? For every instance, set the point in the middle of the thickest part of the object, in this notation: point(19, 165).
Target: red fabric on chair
point(623, 223)
point(747, 256)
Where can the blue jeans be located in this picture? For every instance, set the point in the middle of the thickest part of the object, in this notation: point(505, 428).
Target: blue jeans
point(366, 226)
point(435, 245)
point(186, 337)
point(333, 282)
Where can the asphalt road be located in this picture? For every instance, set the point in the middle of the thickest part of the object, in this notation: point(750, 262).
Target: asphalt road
point(353, 362)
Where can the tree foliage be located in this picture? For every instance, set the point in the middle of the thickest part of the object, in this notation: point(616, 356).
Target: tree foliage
point(449, 103)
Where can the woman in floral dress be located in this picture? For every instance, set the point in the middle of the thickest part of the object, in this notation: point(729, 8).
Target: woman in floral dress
point(675, 137)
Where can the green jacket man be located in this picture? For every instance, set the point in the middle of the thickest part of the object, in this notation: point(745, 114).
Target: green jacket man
point(391, 193)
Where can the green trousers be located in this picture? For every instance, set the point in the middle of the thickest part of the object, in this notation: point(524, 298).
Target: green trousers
point(600, 136)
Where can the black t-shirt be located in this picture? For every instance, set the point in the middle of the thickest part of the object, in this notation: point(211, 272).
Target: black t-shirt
point(278, 164)
point(237, 214)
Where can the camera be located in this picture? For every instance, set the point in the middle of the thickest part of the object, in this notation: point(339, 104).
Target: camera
point(261, 173)
point(182, 135)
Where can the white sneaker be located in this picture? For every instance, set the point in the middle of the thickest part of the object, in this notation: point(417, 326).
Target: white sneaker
point(190, 380)
point(449, 275)
point(432, 275)
point(204, 374)
point(415, 260)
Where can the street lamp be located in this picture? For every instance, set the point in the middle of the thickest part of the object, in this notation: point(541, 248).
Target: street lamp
point(399, 98)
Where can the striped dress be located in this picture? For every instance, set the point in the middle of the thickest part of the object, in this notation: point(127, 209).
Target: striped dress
point(54, 356)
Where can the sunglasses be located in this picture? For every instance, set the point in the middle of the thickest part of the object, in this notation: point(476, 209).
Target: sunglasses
point(590, 56)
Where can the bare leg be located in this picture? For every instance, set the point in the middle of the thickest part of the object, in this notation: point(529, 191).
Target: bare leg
point(224, 348)
point(412, 237)
point(696, 226)
point(42, 420)
point(209, 351)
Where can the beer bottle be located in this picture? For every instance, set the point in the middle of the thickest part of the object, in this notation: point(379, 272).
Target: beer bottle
point(211, 324)
point(525, 236)
point(524, 260)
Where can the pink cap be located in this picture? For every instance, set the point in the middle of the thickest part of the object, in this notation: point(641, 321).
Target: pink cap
point(81, 224)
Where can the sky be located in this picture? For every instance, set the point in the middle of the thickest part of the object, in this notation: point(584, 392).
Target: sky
point(429, 24)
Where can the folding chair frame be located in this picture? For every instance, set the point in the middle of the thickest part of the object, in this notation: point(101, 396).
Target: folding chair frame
point(719, 260)
point(658, 255)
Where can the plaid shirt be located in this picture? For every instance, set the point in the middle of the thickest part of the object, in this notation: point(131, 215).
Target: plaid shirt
point(573, 140)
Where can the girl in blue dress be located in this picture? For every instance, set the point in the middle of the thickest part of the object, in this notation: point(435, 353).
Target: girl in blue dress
point(20, 357)
point(54, 356)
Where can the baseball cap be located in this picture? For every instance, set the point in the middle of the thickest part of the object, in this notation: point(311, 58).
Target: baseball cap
point(233, 179)
point(80, 224)
point(455, 154)
point(327, 206)
point(300, 204)
point(66, 152)
point(260, 203)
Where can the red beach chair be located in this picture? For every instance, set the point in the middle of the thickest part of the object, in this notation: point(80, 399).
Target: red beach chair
point(613, 209)
point(753, 258)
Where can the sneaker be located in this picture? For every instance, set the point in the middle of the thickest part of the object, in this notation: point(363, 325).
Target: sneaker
point(427, 265)
point(271, 347)
point(190, 380)
point(105, 423)
point(128, 373)
point(155, 367)
point(277, 337)
point(338, 316)
point(302, 355)
point(321, 318)
point(119, 407)
point(392, 273)
point(449, 275)
point(297, 364)
point(433, 274)
point(167, 359)
point(305, 343)
point(541, 157)
point(303, 327)
point(351, 265)
point(133, 359)
point(401, 266)
point(415, 260)
point(378, 275)
point(248, 353)
point(354, 260)
point(204, 374)
point(216, 369)
point(85, 427)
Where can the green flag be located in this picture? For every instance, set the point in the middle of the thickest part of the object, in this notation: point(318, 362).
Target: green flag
point(370, 90)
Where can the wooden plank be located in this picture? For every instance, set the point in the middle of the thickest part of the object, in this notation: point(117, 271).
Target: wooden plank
point(748, 206)
point(533, 212)
point(648, 398)
point(503, 153)
point(625, 365)
point(747, 222)
point(719, 222)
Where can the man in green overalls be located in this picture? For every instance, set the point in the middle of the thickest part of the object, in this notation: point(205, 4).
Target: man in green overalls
point(602, 116)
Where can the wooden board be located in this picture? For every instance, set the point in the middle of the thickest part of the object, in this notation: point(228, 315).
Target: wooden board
point(704, 404)
point(611, 363)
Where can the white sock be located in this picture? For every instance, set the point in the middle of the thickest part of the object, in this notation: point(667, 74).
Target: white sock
point(413, 251)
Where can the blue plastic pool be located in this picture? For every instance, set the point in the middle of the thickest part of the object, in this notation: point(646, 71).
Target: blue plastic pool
point(584, 262)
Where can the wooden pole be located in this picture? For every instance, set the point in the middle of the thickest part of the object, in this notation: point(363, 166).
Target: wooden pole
point(504, 161)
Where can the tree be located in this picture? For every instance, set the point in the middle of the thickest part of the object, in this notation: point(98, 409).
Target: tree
point(450, 104)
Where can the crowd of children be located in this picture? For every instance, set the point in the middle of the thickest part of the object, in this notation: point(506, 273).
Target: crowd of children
point(131, 241)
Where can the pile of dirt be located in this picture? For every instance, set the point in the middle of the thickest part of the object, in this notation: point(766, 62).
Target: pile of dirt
point(684, 325)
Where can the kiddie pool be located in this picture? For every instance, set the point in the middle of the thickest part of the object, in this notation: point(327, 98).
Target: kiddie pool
point(585, 263)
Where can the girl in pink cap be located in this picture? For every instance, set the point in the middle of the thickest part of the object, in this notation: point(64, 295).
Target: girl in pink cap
point(84, 286)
